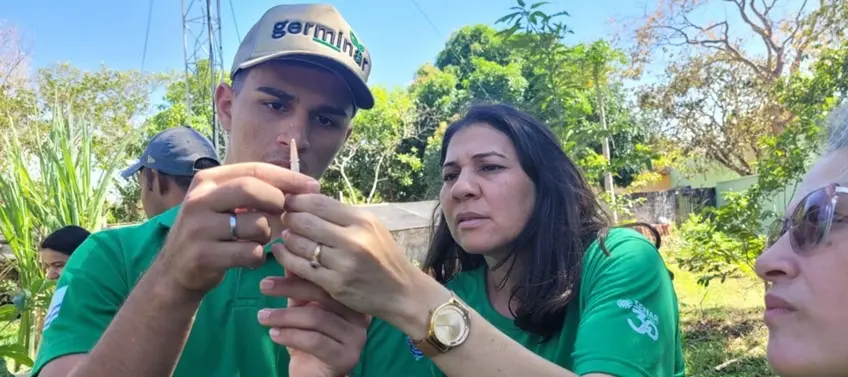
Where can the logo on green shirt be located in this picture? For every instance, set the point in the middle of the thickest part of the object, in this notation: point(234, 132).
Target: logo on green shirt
point(416, 353)
point(55, 305)
point(647, 319)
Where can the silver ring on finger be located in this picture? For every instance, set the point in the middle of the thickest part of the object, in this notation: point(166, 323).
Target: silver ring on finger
point(315, 262)
point(234, 227)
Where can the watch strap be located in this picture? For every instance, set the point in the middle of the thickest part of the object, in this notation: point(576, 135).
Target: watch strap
point(427, 348)
point(431, 346)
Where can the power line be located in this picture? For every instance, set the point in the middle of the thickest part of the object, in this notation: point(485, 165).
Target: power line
point(458, 56)
point(147, 33)
point(235, 23)
point(426, 17)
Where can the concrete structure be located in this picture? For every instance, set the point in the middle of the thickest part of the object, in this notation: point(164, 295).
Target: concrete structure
point(408, 222)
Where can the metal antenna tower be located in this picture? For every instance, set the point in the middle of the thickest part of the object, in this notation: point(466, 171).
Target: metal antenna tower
point(203, 53)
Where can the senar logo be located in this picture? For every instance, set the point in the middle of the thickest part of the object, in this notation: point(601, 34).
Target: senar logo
point(326, 36)
point(55, 305)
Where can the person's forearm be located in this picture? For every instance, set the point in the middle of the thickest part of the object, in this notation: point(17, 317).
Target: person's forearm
point(487, 352)
point(148, 333)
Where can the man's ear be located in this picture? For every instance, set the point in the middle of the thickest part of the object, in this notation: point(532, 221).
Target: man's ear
point(150, 179)
point(224, 97)
point(161, 184)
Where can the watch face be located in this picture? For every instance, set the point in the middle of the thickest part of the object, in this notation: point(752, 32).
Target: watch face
point(449, 326)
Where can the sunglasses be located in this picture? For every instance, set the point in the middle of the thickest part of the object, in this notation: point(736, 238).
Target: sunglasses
point(810, 222)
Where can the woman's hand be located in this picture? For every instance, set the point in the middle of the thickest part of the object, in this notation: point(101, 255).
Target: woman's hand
point(324, 338)
point(361, 266)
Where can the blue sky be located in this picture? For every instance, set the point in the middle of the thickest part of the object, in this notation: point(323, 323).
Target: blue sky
point(88, 33)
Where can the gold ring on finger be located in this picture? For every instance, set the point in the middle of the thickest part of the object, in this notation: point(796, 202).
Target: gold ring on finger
point(316, 256)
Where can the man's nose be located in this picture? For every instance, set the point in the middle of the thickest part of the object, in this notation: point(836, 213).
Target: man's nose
point(295, 127)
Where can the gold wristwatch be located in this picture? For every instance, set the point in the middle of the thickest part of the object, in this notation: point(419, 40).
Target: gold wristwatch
point(449, 327)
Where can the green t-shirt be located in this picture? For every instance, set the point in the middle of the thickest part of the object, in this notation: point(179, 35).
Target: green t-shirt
point(624, 322)
point(226, 339)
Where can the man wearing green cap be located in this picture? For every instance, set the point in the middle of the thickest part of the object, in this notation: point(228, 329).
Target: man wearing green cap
point(180, 294)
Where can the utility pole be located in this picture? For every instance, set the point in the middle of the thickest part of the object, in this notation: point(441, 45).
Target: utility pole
point(202, 45)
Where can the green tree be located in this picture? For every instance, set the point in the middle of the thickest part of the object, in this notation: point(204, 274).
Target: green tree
point(369, 168)
point(577, 90)
point(718, 99)
point(60, 182)
point(173, 112)
point(432, 170)
point(438, 95)
point(552, 68)
point(114, 101)
point(438, 98)
point(726, 241)
point(496, 82)
point(472, 42)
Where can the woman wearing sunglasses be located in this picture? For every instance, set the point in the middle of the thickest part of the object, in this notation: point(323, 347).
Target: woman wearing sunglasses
point(806, 266)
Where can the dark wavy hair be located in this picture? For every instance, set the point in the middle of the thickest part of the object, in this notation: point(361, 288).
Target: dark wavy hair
point(65, 239)
point(567, 217)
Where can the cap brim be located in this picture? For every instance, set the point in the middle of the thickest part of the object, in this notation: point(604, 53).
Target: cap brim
point(362, 96)
point(134, 168)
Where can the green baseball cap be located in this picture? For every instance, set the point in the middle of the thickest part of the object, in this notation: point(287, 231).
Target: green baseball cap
point(312, 33)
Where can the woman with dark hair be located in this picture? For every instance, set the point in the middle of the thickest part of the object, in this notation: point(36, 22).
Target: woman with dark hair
point(525, 276)
point(58, 247)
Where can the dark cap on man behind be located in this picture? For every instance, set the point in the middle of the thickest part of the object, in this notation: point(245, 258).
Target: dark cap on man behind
point(311, 33)
point(175, 151)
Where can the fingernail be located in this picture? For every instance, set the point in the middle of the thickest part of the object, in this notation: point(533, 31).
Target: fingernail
point(266, 284)
point(274, 332)
point(313, 187)
point(263, 314)
point(285, 234)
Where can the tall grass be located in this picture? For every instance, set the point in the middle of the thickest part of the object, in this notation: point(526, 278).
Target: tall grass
point(54, 184)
